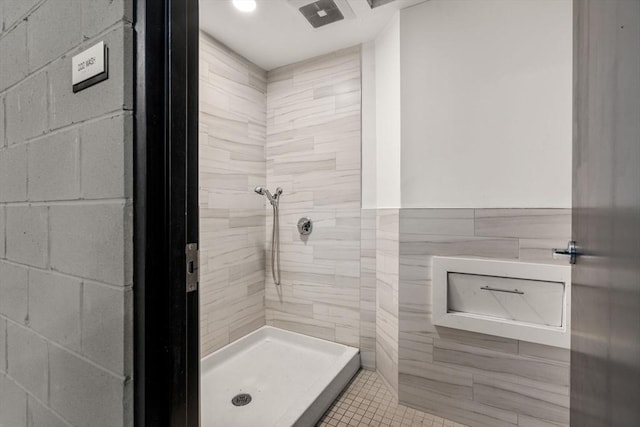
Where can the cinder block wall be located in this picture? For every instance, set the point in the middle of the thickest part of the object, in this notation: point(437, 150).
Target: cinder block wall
point(65, 216)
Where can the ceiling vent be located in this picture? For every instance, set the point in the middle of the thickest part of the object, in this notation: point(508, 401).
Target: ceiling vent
point(323, 12)
point(376, 3)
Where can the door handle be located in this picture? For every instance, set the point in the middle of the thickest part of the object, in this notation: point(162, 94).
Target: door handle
point(509, 291)
point(571, 251)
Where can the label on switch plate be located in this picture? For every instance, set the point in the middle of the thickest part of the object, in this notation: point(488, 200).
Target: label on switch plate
point(89, 67)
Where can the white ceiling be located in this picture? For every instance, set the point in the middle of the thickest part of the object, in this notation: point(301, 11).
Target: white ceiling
point(277, 34)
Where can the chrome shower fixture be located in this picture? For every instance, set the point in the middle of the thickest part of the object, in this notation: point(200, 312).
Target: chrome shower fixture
point(275, 236)
point(273, 199)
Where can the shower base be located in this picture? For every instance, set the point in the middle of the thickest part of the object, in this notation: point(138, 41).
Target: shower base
point(291, 380)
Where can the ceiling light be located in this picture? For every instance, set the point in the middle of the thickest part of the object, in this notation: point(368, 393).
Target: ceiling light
point(245, 5)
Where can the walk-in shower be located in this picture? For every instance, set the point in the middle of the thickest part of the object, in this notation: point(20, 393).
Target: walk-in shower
point(275, 236)
point(278, 356)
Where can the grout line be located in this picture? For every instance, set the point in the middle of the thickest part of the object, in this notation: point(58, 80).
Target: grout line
point(3, 136)
point(27, 148)
point(79, 144)
point(26, 406)
point(26, 319)
point(48, 263)
point(81, 315)
point(71, 126)
point(4, 234)
point(68, 202)
point(48, 397)
point(48, 98)
point(75, 353)
point(32, 396)
point(65, 275)
point(6, 346)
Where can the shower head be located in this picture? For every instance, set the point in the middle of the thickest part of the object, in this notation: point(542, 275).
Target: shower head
point(265, 192)
point(273, 199)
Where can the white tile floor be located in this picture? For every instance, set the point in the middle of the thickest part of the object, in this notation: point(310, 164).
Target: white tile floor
point(367, 402)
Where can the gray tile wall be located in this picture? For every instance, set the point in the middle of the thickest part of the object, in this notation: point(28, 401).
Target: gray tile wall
point(313, 153)
point(476, 379)
point(232, 217)
point(65, 216)
point(387, 288)
point(368, 268)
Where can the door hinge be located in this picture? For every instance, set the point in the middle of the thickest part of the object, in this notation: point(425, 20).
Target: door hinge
point(193, 266)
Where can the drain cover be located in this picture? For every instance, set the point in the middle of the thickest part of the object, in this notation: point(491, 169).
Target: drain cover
point(241, 399)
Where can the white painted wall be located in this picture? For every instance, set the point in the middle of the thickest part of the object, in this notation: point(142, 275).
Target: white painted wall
point(388, 125)
point(486, 104)
point(369, 152)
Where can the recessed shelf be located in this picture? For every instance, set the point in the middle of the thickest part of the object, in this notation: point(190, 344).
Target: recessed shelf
point(520, 300)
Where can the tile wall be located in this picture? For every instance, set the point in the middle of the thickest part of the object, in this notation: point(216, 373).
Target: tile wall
point(387, 288)
point(301, 132)
point(232, 216)
point(477, 379)
point(368, 284)
point(313, 153)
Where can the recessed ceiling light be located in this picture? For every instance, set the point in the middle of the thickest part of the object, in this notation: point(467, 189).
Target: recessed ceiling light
point(245, 5)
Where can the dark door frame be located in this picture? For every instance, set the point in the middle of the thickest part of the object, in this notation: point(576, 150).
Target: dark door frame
point(166, 318)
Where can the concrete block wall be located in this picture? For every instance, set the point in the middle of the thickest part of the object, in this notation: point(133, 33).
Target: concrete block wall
point(65, 216)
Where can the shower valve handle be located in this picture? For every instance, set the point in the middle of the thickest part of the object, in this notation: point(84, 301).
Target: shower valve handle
point(305, 226)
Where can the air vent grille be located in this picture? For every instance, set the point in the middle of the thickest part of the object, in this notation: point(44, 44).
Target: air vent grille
point(321, 13)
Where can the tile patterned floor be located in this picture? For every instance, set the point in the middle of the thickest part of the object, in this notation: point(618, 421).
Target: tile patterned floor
point(367, 402)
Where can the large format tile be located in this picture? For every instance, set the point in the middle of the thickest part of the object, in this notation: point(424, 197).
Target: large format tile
point(484, 361)
point(489, 342)
point(451, 382)
point(523, 223)
point(490, 247)
point(313, 153)
point(453, 222)
point(530, 385)
point(232, 217)
point(464, 411)
point(522, 398)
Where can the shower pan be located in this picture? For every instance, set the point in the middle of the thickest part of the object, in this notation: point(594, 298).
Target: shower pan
point(274, 378)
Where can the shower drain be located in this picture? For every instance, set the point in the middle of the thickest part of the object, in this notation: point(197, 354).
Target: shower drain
point(241, 399)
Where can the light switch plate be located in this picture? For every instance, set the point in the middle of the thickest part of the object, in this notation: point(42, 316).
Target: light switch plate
point(90, 67)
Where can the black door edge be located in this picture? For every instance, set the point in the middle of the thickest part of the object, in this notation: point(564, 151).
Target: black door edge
point(166, 337)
